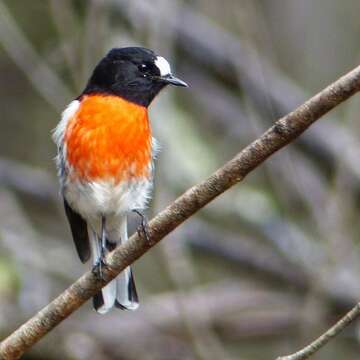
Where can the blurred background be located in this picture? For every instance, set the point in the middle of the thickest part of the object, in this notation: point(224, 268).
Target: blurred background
point(266, 267)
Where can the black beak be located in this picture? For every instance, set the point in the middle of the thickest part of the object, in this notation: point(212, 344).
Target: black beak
point(172, 80)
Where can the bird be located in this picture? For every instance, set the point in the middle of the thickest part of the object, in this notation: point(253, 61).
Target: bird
point(105, 159)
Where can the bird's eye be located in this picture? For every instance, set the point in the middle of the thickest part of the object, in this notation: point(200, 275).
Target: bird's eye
point(143, 67)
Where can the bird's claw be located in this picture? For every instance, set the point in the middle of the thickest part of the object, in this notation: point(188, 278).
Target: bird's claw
point(99, 265)
point(142, 230)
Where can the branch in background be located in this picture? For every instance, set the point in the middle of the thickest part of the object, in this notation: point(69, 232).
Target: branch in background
point(40, 75)
point(63, 13)
point(239, 311)
point(223, 300)
point(279, 135)
point(28, 180)
point(321, 341)
point(246, 253)
point(182, 275)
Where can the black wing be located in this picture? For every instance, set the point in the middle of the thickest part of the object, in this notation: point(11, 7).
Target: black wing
point(79, 232)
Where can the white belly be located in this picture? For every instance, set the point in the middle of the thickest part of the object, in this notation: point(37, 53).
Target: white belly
point(106, 198)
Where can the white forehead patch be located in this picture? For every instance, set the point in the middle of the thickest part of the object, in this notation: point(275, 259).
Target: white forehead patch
point(162, 65)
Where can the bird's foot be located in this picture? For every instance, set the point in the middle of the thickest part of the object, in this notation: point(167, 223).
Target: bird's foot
point(99, 266)
point(142, 230)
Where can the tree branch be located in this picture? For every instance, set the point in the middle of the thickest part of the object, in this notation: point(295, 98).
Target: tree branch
point(321, 341)
point(280, 134)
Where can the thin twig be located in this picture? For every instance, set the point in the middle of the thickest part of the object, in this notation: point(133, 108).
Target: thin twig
point(280, 134)
point(321, 341)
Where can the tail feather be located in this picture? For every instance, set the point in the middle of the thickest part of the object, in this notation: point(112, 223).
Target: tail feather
point(126, 294)
point(104, 300)
point(98, 301)
point(121, 291)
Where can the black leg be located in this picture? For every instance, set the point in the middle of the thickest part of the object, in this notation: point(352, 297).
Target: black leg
point(143, 228)
point(102, 250)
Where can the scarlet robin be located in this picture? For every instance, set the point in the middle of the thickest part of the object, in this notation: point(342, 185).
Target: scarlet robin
point(105, 159)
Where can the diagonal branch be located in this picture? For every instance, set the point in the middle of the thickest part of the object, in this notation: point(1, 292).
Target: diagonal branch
point(322, 340)
point(280, 134)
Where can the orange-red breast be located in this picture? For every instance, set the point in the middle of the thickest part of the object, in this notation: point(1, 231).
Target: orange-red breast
point(105, 158)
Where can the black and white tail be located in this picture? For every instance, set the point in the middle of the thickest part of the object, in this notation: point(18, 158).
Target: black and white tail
point(121, 292)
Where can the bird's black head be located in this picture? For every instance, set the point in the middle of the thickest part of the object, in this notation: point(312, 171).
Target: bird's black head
point(134, 73)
